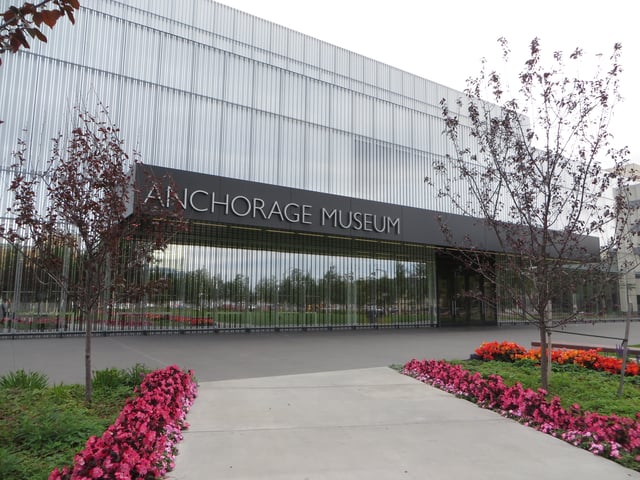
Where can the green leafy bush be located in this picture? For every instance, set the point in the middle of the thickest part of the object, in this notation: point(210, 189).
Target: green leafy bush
point(24, 380)
point(55, 428)
point(9, 464)
point(135, 374)
point(113, 378)
point(109, 378)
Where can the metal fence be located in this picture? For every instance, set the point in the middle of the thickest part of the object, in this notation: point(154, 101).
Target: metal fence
point(249, 319)
point(232, 320)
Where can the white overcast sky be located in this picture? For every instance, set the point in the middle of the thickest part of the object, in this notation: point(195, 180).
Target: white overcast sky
point(445, 41)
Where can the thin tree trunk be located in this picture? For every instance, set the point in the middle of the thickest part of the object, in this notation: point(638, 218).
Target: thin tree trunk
point(549, 356)
point(544, 358)
point(87, 358)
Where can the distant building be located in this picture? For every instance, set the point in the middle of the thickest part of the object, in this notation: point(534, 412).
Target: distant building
point(628, 256)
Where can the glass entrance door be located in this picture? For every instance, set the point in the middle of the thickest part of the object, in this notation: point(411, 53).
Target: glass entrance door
point(460, 295)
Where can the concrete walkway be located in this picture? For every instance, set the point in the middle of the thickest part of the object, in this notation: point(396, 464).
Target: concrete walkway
point(368, 424)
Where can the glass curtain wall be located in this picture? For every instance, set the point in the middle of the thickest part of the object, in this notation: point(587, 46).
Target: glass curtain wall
point(224, 288)
point(592, 298)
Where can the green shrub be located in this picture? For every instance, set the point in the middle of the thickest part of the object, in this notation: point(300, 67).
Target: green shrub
point(9, 464)
point(115, 378)
point(55, 429)
point(135, 374)
point(24, 380)
point(109, 378)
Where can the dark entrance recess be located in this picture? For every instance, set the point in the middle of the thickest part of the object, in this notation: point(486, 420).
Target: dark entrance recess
point(457, 306)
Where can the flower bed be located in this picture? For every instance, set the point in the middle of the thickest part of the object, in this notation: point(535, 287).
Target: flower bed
point(141, 444)
point(509, 352)
point(143, 320)
point(610, 436)
point(503, 351)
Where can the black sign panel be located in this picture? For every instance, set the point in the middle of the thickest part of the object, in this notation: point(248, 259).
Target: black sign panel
point(221, 200)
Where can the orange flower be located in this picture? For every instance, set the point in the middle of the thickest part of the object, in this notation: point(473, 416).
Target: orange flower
point(510, 351)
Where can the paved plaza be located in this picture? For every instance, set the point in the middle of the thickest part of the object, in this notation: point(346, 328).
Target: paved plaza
point(247, 355)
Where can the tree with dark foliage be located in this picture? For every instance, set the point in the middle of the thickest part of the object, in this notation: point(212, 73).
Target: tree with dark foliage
point(20, 23)
point(541, 175)
point(84, 203)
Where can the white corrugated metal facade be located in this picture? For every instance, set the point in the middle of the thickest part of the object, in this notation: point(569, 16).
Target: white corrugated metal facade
point(203, 87)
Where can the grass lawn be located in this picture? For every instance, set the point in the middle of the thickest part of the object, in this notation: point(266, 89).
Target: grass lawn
point(594, 391)
point(43, 427)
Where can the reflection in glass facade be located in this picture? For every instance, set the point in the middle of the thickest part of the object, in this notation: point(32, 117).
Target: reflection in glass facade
point(210, 89)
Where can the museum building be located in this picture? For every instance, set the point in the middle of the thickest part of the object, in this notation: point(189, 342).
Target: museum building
point(299, 164)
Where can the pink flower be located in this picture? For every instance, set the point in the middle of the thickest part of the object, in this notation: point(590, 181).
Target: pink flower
point(140, 443)
point(96, 472)
point(606, 435)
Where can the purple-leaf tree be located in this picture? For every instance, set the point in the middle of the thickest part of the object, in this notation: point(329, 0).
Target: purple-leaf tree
point(82, 209)
point(19, 24)
point(536, 166)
